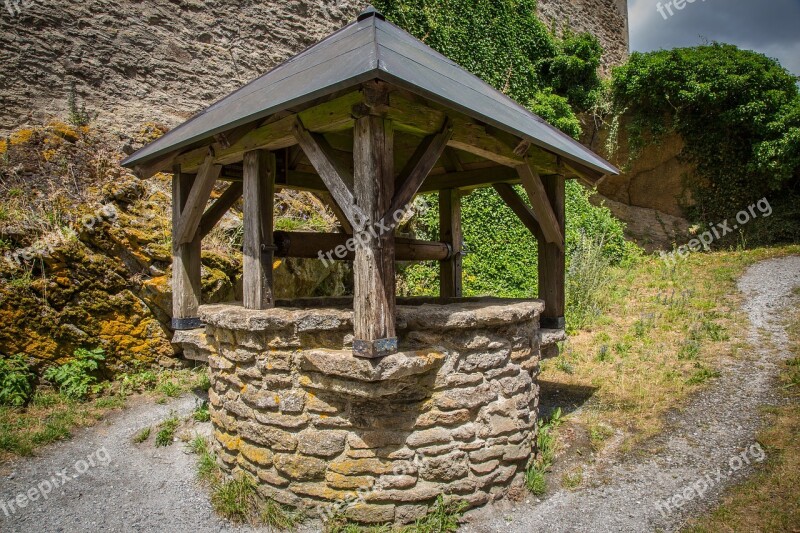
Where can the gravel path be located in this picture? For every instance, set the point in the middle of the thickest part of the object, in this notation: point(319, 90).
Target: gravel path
point(141, 488)
point(131, 487)
point(704, 439)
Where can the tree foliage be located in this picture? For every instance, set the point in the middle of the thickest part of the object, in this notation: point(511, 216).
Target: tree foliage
point(738, 112)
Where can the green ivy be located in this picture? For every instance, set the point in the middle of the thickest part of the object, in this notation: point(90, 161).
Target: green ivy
point(504, 43)
point(738, 113)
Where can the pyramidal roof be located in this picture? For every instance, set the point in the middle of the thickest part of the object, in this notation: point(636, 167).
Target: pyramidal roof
point(367, 49)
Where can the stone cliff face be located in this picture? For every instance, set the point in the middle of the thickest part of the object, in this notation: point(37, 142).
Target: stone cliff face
point(164, 60)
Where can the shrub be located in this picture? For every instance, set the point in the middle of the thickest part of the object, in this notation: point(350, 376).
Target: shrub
point(738, 113)
point(75, 379)
point(15, 381)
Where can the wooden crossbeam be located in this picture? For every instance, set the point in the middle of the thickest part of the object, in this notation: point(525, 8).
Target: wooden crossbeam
point(189, 222)
point(334, 115)
point(542, 209)
point(215, 213)
point(523, 212)
point(334, 175)
point(416, 170)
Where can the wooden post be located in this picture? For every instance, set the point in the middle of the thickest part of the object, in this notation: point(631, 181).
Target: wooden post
point(374, 271)
point(450, 232)
point(551, 260)
point(259, 196)
point(185, 260)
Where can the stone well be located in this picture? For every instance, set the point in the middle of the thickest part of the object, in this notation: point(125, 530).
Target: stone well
point(453, 412)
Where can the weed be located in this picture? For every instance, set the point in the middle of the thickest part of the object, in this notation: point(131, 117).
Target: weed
point(572, 479)
point(139, 381)
point(166, 431)
point(77, 114)
point(142, 435)
point(275, 515)
point(586, 282)
point(702, 375)
point(204, 381)
point(442, 517)
point(201, 413)
point(563, 365)
point(235, 499)
point(15, 380)
point(74, 378)
point(598, 433)
point(689, 350)
point(116, 401)
point(545, 452)
point(169, 389)
point(603, 354)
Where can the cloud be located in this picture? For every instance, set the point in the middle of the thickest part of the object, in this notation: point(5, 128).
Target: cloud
point(766, 26)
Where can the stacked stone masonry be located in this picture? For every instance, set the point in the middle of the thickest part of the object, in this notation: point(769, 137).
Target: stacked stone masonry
point(164, 60)
point(453, 413)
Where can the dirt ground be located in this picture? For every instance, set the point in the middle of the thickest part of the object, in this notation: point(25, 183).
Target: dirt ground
point(105, 482)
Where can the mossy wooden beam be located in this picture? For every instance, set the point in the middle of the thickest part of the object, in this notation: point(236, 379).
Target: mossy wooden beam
point(215, 213)
point(541, 205)
point(523, 212)
point(187, 227)
point(337, 179)
point(335, 115)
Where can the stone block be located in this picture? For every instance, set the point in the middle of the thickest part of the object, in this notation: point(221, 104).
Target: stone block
point(445, 468)
point(407, 514)
point(321, 443)
point(468, 398)
point(357, 467)
point(397, 482)
point(277, 439)
point(484, 361)
point(256, 454)
point(370, 513)
point(427, 437)
point(299, 467)
point(281, 420)
point(443, 418)
point(339, 481)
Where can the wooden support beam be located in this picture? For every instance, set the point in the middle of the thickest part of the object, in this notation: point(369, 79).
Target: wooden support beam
point(450, 275)
point(374, 271)
point(259, 197)
point(542, 208)
point(341, 247)
point(215, 213)
point(334, 115)
point(523, 212)
point(552, 261)
point(470, 179)
point(416, 170)
point(333, 173)
point(192, 212)
point(186, 285)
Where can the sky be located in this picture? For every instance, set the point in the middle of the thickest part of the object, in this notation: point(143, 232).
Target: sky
point(771, 27)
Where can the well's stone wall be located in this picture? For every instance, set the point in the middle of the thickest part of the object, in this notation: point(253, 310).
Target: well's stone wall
point(453, 413)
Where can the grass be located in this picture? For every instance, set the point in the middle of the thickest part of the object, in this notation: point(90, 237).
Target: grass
point(201, 413)
point(166, 430)
point(142, 435)
point(237, 498)
point(770, 499)
point(50, 417)
point(535, 473)
point(660, 337)
point(442, 517)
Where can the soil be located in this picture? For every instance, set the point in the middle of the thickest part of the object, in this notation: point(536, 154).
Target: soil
point(144, 488)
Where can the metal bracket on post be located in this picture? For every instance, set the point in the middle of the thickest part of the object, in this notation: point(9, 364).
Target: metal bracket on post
point(552, 322)
point(375, 349)
point(183, 324)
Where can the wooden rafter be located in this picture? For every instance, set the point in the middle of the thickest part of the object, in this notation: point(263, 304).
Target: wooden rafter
point(215, 213)
point(417, 169)
point(523, 212)
point(334, 175)
point(187, 226)
point(542, 209)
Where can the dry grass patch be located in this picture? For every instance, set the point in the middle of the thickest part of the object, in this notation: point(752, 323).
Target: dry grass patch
point(662, 336)
point(770, 500)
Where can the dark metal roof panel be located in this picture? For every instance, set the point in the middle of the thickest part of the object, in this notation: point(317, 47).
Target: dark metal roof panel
point(344, 59)
point(367, 49)
point(411, 64)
